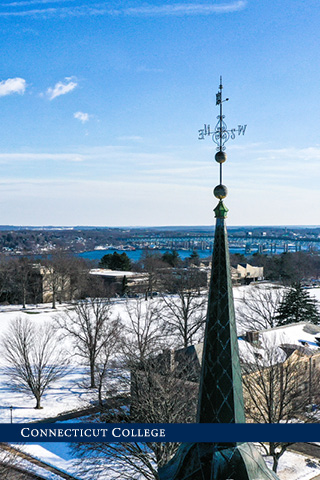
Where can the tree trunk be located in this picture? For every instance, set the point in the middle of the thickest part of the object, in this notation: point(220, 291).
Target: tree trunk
point(53, 299)
point(100, 394)
point(24, 298)
point(274, 457)
point(92, 379)
point(38, 406)
point(275, 463)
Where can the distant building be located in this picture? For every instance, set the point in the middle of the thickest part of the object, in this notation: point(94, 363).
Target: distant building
point(244, 273)
point(297, 344)
point(133, 281)
point(55, 285)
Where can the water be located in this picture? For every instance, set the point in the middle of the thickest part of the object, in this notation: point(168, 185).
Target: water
point(135, 255)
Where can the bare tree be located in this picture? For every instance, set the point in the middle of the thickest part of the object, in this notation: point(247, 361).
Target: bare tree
point(94, 333)
point(64, 277)
point(106, 363)
point(6, 275)
point(24, 277)
point(51, 282)
point(276, 391)
point(11, 463)
point(257, 308)
point(125, 461)
point(143, 329)
point(34, 358)
point(157, 395)
point(152, 264)
point(185, 306)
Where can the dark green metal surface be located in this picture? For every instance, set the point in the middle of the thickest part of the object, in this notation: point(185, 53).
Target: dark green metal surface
point(208, 461)
point(220, 395)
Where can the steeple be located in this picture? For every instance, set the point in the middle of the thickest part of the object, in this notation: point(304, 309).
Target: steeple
point(220, 393)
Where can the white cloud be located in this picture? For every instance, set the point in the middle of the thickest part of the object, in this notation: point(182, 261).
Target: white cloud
point(10, 158)
point(144, 185)
point(12, 85)
point(61, 88)
point(81, 116)
point(185, 9)
point(74, 202)
point(178, 9)
point(27, 3)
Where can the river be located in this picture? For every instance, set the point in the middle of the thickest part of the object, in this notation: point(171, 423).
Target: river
point(135, 255)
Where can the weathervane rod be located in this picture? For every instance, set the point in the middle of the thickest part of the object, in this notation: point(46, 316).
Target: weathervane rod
point(221, 117)
point(221, 125)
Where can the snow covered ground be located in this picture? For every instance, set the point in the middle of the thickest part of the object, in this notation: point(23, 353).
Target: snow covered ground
point(293, 466)
point(67, 394)
point(63, 395)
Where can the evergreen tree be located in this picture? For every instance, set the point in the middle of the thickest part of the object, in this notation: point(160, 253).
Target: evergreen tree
point(298, 306)
point(171, 258)
point(115, 261)
point(194, 258)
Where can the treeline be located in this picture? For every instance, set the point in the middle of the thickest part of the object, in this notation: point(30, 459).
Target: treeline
point(56, 278)
point(62, 276)
point(65, 277)
point(121, 261)
point(287, 268)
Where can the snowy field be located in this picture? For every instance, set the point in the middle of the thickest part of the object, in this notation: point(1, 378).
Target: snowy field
point(68, 394)
point(64, 395)
point(293, 466)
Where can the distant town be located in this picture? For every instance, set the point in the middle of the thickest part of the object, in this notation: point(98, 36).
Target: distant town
point(246, 240)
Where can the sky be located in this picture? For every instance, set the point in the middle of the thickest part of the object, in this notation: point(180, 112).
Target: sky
point(101, 103)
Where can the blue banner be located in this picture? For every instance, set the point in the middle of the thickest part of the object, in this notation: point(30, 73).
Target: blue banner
point(163, 432)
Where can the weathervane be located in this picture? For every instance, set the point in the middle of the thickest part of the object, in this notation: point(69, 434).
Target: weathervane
point(221, 134)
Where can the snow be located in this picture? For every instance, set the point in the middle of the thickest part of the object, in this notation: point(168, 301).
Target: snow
point(64, 395)
point(10, 458)
point(270, 339)
point(68, 394)
point(104, 272)
point(293, 466)
point(57, 455)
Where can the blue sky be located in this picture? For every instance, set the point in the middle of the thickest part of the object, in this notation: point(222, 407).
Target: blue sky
point(101, 102)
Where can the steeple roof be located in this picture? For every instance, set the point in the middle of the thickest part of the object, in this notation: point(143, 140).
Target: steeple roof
point(220, 396)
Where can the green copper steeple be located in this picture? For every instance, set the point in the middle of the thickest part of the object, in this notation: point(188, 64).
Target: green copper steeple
point(220, 393)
